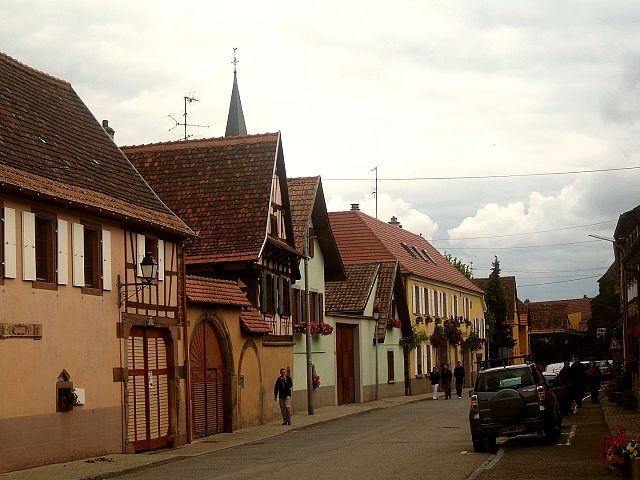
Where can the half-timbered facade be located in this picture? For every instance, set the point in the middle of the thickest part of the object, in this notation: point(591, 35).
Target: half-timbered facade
point(91, 351)
point(233, 193)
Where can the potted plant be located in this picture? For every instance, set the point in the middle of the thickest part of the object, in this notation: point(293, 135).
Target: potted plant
point(620, 453)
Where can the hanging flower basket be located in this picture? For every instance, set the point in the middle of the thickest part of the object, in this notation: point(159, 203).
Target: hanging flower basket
point(316, 381)
point(321, 328)
point(452, 332)
point(438, 337)
point(394, 323)
point(66, 399)
point(473, 342)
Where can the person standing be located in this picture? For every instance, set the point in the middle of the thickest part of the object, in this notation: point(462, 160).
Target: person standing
point(445, 378)
point(282, 391)
point(458, 373)
point(594, 379)
point(578, 375)
point(434, 376)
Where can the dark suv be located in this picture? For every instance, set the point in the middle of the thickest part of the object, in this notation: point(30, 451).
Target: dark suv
point(509, 401)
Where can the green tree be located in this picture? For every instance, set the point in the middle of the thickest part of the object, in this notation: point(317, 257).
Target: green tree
point(460, 265)
point(605, 314)
point(499, 332)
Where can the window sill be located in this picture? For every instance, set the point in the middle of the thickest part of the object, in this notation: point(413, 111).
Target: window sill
point(92, 291)
point(44, 285)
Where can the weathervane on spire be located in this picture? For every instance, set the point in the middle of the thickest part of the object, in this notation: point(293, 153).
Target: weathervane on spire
point(235, 61)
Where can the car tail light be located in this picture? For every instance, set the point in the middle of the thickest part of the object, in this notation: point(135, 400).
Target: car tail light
point(540, 390)
point(474, 403)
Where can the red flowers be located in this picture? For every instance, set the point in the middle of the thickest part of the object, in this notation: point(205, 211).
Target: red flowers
point(394, 323)
point(321, 328)
point(616, 451)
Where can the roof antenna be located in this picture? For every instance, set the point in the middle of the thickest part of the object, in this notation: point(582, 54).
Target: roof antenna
point(188, 98)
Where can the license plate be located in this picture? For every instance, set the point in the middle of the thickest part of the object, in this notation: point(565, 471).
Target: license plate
point(514, 429)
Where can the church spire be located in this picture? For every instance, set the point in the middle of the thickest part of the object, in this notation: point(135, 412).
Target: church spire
point(235, 120)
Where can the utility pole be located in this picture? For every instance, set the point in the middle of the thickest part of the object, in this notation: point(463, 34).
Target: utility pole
point(307, 239)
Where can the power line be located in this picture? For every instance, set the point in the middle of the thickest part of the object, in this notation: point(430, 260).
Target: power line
point(483, 177)
point(546, 271)
point(525, 233)
point(559, 281)
point(522, 246)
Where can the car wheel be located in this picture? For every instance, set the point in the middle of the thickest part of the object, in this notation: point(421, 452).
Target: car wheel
point(479, 446)
point(491, 445)
point(552, 434)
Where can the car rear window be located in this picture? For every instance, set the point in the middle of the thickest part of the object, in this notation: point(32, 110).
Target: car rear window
point(508, 378)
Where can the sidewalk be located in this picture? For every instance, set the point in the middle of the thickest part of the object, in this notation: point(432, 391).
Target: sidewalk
point(111, 466)
point(615, 415)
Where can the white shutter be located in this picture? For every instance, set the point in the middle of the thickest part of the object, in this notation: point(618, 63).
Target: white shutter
point(432, 305)
point(9, 242)
point(422, 302)
point(106, 260)
point(28, 246)
point(140, 247)
point(415, 362)
point(63, 253)
point(414, 299)
point(160, 259)
point(77, 240)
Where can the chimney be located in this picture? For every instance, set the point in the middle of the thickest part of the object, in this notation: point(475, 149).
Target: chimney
point(355, 206)
point(394, 221)
point(108, 129)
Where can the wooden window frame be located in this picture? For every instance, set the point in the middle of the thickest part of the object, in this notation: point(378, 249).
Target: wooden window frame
point(2, 259)
point(311, 240)
point(48, 250)
point(92, 258)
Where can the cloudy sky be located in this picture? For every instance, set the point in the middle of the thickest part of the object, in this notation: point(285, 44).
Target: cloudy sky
point(464, 108)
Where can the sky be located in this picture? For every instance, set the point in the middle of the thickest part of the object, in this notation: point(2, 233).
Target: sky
point(470, 114)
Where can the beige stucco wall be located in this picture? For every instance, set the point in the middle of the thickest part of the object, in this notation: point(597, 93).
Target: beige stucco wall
point(79, 336)
point(254, 365)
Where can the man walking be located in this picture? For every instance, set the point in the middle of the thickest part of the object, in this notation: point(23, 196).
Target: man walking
point(458, 373)
point(282, 391)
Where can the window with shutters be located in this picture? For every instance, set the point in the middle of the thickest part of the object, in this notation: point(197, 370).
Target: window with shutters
point(419, 358)
point(391, 374)
point(92, 257)
point(45, 248)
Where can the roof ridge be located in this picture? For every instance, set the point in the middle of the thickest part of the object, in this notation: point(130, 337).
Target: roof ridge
point(31, 69)
point(179, 144)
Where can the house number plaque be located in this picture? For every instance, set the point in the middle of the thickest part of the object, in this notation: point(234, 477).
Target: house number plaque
point(21, 330)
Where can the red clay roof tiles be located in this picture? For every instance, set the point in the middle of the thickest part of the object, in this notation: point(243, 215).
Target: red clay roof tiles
point(221, 187)
point(362, 239)
point(351, 295)
point(51, 145)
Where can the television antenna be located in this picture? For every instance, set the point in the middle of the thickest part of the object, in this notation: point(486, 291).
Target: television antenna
point(188, 99)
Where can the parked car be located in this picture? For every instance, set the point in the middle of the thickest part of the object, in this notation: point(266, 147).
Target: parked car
point(553, 367)
point(509, 401)
point(561, 391)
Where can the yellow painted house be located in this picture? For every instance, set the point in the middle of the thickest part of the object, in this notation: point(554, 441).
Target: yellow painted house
point(440, 298)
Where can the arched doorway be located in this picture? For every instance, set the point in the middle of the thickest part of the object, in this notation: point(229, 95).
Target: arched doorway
point(207, 381)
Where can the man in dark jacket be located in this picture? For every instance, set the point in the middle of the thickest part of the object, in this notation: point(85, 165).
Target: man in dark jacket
point(578, 375)
point(282, 391)
point(458, 373)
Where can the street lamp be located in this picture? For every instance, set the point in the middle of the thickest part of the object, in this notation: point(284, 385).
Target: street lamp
point(148, 267)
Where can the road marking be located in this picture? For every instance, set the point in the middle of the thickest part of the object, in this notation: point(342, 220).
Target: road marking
point(570, 436)
point(488, 464)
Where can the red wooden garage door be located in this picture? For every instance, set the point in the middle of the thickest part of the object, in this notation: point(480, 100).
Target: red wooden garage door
point(149, 422)
point(206, 381)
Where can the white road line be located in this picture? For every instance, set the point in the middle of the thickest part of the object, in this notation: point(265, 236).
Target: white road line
point(571, 435)
point(488, 464)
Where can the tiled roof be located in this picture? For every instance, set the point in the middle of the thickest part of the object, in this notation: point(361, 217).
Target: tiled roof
point(547, 318)
point(351, 295)
point(302, 196)
point(569, 306)
point(307, 203)
point(226, 292)
point(52, 147)
point(362, 239)
point(253, 321)
point(215, 291)
point(508, 289)
point(221, 187)
point(384, 293)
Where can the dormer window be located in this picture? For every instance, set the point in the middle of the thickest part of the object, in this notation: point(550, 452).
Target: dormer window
point(416, 252)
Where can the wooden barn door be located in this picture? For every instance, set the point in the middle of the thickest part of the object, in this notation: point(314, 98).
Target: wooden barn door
point(149, 421)
point(207, 378)
point(345, 365)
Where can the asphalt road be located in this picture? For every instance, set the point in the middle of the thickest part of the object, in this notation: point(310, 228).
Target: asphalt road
point(428, 439)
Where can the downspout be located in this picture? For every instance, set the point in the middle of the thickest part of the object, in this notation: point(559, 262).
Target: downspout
point(185, 346)
point(308, 324)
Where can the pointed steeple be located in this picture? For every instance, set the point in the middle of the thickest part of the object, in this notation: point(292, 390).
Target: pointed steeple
point(235, 120)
